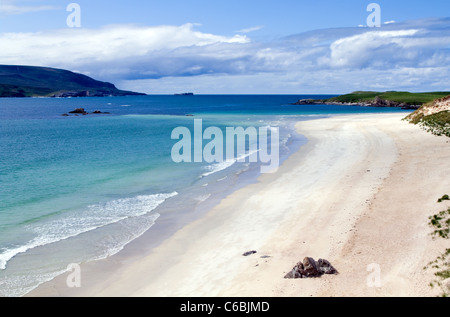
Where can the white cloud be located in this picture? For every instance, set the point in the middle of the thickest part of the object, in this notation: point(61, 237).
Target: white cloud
point(11, 7)
point(411, 56)
point(251, 29)
point(108, 45)
point(358, 50)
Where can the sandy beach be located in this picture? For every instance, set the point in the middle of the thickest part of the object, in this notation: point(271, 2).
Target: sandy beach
point(358, 194)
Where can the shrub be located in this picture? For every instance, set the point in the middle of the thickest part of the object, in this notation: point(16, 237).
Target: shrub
point(445, 197)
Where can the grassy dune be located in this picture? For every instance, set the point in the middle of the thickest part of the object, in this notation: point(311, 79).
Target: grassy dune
point(433, 116)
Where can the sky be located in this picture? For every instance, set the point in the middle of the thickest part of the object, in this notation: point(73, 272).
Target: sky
point(235, 47)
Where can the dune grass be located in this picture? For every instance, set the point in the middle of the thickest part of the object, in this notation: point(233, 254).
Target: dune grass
point(441, 225)
point(438, 123)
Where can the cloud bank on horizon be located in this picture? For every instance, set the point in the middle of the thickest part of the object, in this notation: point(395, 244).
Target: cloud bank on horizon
point(412, 55)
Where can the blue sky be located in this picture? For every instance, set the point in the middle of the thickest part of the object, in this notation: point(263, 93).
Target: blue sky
point(246, 46)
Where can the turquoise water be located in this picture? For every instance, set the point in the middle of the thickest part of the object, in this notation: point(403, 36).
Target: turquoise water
point(79, 188)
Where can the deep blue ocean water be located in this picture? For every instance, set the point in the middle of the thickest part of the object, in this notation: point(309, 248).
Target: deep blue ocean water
point(79, 188)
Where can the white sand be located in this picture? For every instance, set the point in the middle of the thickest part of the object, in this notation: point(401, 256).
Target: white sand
point(358, 194)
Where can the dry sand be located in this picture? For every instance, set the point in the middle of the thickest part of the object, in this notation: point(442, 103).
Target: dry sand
point(359, 194)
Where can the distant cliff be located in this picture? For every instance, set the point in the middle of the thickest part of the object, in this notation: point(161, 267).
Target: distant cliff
point(33, 81)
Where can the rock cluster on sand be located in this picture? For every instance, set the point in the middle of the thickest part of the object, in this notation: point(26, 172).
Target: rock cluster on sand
point(310, 268)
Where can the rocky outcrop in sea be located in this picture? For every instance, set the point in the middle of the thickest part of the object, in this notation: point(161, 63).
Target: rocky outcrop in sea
point(376, 102)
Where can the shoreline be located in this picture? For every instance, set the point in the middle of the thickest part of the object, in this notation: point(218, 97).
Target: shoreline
point(340, 197)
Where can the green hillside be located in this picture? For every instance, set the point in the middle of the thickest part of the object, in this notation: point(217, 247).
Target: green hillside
point(32, 81)
point(395, 96)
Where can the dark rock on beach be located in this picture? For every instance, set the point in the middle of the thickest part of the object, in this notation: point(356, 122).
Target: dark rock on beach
point(249, 253)
point(309, 268)
point(326, 268)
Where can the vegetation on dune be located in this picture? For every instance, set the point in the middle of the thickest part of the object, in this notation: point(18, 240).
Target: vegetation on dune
point(441, 223)
point(442, 267)
point(433, 116)
point(445, 197)
point(438, 124)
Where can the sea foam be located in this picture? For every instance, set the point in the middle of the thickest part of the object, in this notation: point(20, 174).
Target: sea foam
point(217, 167)
point(78, 222)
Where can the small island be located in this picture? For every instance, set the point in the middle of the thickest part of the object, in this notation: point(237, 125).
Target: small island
point(32, 81)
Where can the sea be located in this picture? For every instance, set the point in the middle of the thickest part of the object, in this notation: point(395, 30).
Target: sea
point(79, 188)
